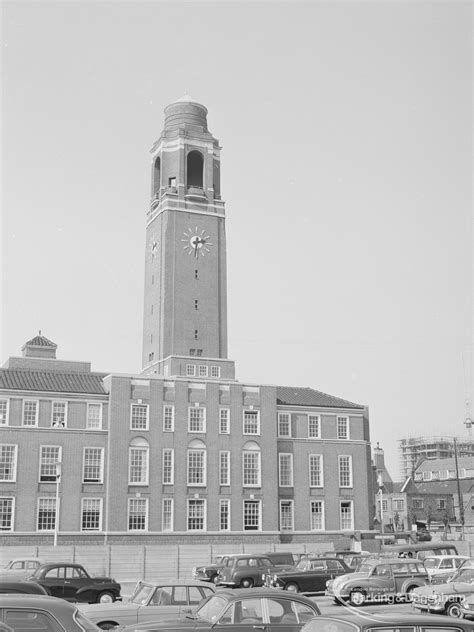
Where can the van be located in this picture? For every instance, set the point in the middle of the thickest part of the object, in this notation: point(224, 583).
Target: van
point(281, 558)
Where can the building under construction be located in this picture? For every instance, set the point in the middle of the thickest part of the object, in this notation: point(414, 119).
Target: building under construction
point(414, 450)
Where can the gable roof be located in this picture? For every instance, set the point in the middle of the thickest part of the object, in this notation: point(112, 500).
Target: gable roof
point(305, 396)
point(52, 381)
point(41, 341)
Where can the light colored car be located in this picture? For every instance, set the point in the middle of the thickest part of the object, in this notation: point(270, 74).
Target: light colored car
point(150, 602)
point(21, 567)
point(441, 567)
point(446, 598)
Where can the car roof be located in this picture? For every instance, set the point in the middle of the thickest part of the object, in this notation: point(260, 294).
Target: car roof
point(177, 582)
point(34, 601)
point(398, 618)
point(393, 560)
point(239, 593)
point(444, 557)
point(25, 559)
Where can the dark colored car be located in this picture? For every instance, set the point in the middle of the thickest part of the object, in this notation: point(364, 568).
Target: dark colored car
point(210, 572)
point(445, 598)
point(246, 571)
point(309, 575)
point(73, 583)
point(35, 613)
point(242, 610)
point(354, 622)
point(21, 586)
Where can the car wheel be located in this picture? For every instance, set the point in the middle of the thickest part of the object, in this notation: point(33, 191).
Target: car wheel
point(409, 594)
point(247, 582)
point(107, 625)
point(357, 597)
point(292, 587)
point(454, 610)
point(105, 597)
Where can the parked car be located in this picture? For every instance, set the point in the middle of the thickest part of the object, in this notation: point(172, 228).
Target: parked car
point(446, 598)
point(73, 583)
point(242, 610)
point(150, 602)
point(409, 622)
point(467, 607)
point(35, 613)
point(21, 586)
point(309, 575)
point(210, 572)
point(21, 567)
point(246, 571)
point(442, 567)
point(351, 558)
point(385, 580)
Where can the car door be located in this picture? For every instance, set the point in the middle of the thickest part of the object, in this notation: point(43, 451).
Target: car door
point(53, 581)
point(381, 580)
point(314, 580)
point(166, 601)
point(242, 615)
point(75, 578)
point(286, 615)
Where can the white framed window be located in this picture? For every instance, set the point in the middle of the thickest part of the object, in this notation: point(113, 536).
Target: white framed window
point(59, 414)
point(139, 417)
point(196, 419)
point(345, 471)
point(316, 471)
point(286, 515)
point(30, 412)
point(346, 512)
point(8, 462)
point(138, 464)
point(138, 514)
point(91, 514)
point(224, 420)
point(93, 465)
point(252, 515)
point(384, 505)
point(285, 470)
point(167, 517)
point(215, 371)
point(427, 476)
point(317, 515)
point(4, 407)
point(196, 514)
point(251, 469)
point(46, 517)
point(284, 425)
point(314, 427)
point(94, 416)
point(251, 422)
point(443, 474)
point(190, 370)
point(168, 466)
point(202, 370)
point(224, 514)
point(197, 467)
point(168, 418)
point(224, 467)
point(50, 456)
point(7, 513)
point(342, 427)
point(417, 503)
point(399, 504)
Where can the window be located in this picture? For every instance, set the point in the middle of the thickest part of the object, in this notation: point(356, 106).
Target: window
point(196, 303)
point(172, 182)
point(195, 169)
point(49, 457)
point(317, 515)
point(196, 515)
point(224, 421)
point(138, 514)
point(30, 412)
point(427, 476)
point(286, 515)
point(199, 352)
point(224, 514)
point(190, 370)
point(196, 334)
point(314, 426)
point(399, 504)
point(196, 419)
point(59, 414)
point(252, 515)
point(346, 515)
point(94, 417)
point(224, 467)
point(442, 503)
point(93, 465)
point(138, 465)
point(215, 371)
point(168, 466)
point(196, 274)
point(285, 470)
point(91, 514)
point(417, 503)
point(284, 427)
point(251, 422)
point(3, 412)
point(197, 467)
point(316, 477)
point(7, 506)
point(345, 471)
point(139, 417)
point(8, 455)
point(168, 418)
point(167, 516)
point(202, 370)
point(46, 514)
point(251, 468)
point(343, 427)
point(192, 352)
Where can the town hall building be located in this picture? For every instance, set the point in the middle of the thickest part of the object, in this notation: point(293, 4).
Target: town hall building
point(183, 449)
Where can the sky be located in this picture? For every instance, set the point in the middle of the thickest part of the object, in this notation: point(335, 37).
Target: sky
point(346, 130)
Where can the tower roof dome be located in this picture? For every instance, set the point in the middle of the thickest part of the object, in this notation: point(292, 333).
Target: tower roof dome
point(186, 112)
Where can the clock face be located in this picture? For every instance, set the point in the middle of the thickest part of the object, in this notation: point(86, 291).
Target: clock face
point(196, 242)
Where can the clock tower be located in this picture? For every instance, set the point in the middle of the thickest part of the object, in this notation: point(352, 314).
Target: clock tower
point(185, 310)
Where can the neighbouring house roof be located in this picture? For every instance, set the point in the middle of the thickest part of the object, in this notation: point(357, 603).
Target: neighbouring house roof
point(52, 381)
point(434, 465)
point(305, 396)
point(446, 487)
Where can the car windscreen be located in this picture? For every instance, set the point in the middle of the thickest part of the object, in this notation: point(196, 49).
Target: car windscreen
point(142, 594)
point(211, 609)
point(430, 562)
point(464, 575)
point(365, 568)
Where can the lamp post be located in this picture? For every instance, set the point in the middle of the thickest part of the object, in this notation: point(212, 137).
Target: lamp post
point(380, 484)
point(56, 519)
